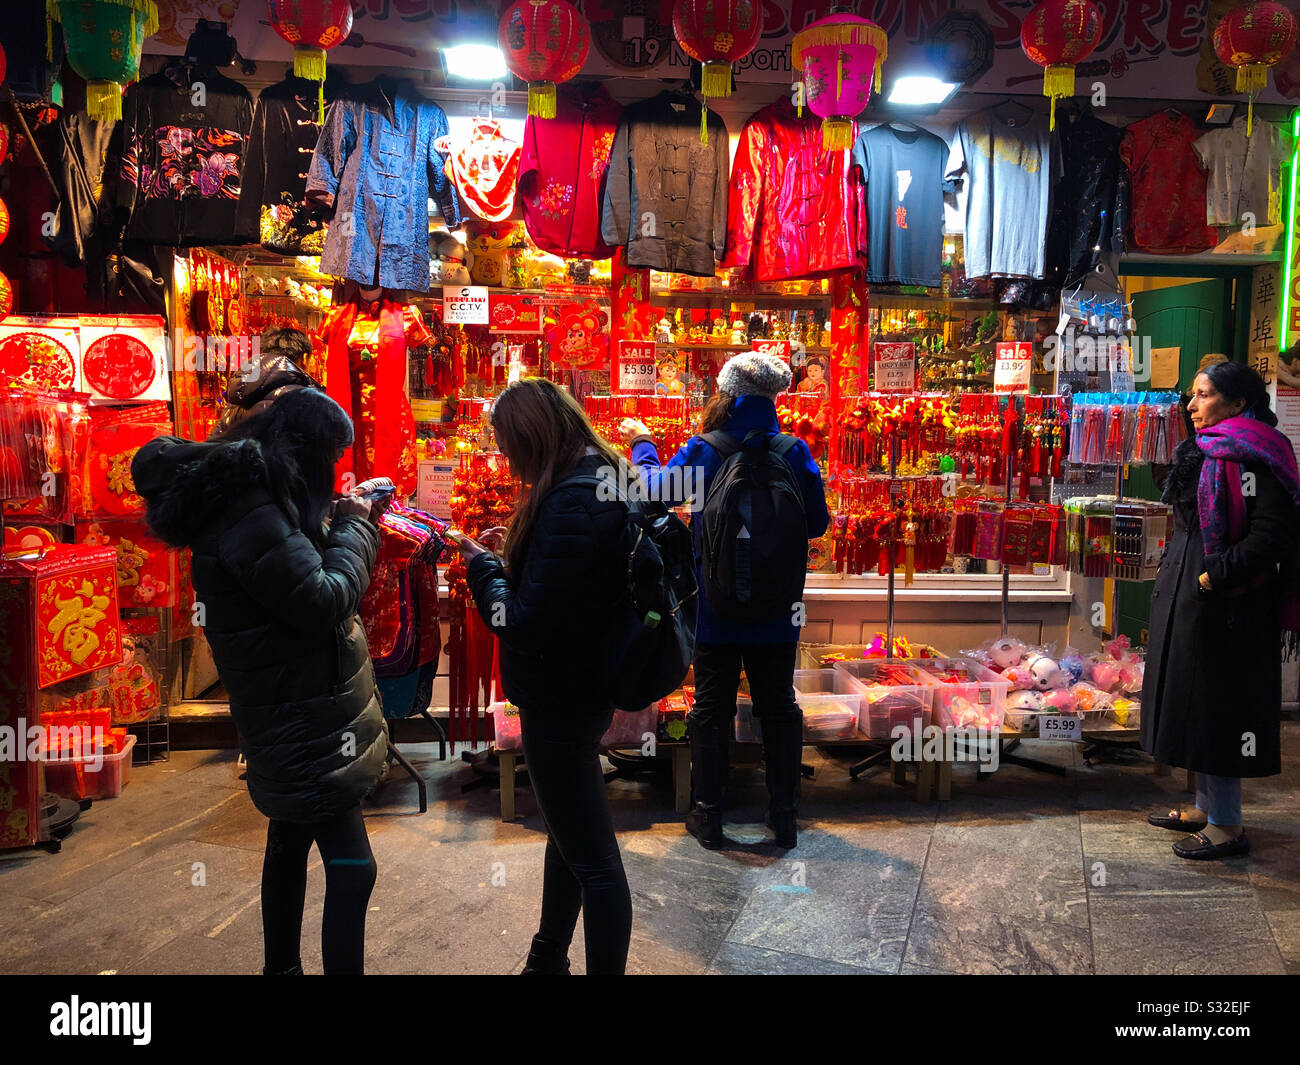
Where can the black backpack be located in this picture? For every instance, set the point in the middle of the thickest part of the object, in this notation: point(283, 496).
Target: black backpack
point(753, 530)
point(652, 639)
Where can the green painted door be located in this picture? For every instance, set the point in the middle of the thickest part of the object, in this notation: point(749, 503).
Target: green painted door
point(1193, 318)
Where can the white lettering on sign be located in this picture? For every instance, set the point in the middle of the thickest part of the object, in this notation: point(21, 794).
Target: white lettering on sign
point(1012, 367)
point(467, 305)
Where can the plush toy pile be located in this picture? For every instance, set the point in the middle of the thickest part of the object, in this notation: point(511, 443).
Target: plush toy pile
point(1097, 684)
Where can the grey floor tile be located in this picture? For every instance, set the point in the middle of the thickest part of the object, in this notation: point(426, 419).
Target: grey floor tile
point(960, 940)
point(1123, 855)
point(1024, 867)
point(1285, 926)
point(737, 960)
point(1182, 936)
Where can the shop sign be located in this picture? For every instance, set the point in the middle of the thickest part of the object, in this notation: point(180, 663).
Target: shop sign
point(509, 312)
point(1265, 305)
point(779, 348)
point(433, 492)
point(1013, 365)
point(636, 366)
point(895, 363)
point(467, 305)
point(1065, 727)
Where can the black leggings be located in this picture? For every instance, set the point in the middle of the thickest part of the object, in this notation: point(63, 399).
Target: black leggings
point(584, 870)
point(349, 877)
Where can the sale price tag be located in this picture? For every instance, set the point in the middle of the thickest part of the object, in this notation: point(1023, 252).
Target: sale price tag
point(636, 366)
point(779, 348)
point(895, 366)
point(1013, 365)
point(1060, 727)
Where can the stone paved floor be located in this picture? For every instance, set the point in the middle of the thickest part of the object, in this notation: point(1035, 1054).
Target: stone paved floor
point(1006, 878)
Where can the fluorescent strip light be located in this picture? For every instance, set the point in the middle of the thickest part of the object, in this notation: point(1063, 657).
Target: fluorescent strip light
point(475, 62)
point(918, 90)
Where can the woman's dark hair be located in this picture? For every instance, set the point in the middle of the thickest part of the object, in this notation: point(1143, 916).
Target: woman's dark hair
point(299, 435)
point(1237, 381)
point(716, 411)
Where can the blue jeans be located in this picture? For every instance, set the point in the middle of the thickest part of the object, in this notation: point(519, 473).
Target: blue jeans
point(1219, 798)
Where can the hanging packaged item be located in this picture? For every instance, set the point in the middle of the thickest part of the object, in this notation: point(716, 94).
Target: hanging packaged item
point(484, 168)
point(146, 567)
point(106, 488)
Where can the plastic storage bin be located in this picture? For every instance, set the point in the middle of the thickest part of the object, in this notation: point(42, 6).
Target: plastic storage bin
point(978, 701)
point(748, 728)
point(625, 730)
point(831, 704)
point(885, 706)
point(72, 778)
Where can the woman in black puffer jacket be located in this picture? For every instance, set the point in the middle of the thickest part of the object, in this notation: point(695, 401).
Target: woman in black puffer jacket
point(279, 594)
point(551, 602)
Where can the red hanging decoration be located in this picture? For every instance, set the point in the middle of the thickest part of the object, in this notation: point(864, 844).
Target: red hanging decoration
point(1058, 34)
point(717, 33)
point(312, 27)
point(839, 58)
point(544, 42)
point(1252, 39)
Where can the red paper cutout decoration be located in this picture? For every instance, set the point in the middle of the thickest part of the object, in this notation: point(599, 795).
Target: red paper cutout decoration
point(119, 366)
point(579, 339)
point(33, 358)
point(6, 303)
point(545, 42)
point(1252, 39)
point(1057, 34)
point(4, 220)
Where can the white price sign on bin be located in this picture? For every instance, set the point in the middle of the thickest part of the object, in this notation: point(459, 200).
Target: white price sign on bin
point(1060, 727)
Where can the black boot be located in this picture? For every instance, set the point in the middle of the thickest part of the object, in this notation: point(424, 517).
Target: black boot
point(785, 828)
point(294, 971)
point(546, 959)
point(705, 824)
point(783, 755)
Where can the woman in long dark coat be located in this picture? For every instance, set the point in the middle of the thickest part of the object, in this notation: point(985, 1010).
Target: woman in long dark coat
point(1227, 588)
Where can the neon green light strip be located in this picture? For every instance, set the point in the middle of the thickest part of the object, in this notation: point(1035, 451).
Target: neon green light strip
point(1289, 235)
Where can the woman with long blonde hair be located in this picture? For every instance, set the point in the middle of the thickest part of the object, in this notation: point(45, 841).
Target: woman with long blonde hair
point(551, 599)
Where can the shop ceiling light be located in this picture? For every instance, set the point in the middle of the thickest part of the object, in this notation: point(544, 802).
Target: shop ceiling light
point(921, 90)
point(475, 62)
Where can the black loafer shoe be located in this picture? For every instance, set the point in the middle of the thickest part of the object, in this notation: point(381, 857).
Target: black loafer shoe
point(1198, 847)
point(1174, 820)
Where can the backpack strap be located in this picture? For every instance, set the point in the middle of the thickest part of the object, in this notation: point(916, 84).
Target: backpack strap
point(781, 444)
point(722, 443)
point(725, 445)
point(590, 480)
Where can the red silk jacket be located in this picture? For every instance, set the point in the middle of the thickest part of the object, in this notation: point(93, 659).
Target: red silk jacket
point(795, 210)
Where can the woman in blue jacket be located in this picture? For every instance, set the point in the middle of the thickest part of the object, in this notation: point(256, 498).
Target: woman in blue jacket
point(744, 403)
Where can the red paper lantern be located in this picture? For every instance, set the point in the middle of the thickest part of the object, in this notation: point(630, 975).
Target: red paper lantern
point(839, 58)
point(717, 33)
point(1056, 35)
point(544, 42)
point(312, 27)
point(1252, 39)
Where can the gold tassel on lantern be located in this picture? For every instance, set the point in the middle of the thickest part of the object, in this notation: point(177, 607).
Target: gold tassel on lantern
point(909, 551)
point(716, 79)
point(104, 101)
point(309, 62)
point(1058, 82)
point(837, 134)
point(704, 121)
point(541, 99)
point(1251, 79)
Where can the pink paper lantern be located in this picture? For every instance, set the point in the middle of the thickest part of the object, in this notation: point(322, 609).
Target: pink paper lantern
point(839, 58)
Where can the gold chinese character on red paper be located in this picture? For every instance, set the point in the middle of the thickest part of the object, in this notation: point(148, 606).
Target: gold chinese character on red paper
point(77, 620)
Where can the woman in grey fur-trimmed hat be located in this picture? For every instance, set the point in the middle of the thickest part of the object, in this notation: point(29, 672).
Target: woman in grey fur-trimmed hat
point(742, 412)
